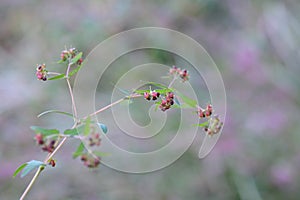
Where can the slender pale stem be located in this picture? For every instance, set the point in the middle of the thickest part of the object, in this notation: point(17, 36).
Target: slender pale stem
point(72, 99)
point(114, 103)
point(50, 156)
point(53, 73)
point(172, 82)
point(37, 173)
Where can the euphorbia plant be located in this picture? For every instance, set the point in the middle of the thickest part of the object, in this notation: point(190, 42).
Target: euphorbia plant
point(85, 129)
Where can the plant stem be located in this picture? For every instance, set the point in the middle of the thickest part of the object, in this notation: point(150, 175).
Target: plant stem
point(37, 173)
point(114, 103)
point(71, 91)
point(72, 99)
point(172, 82)
point(50, 156)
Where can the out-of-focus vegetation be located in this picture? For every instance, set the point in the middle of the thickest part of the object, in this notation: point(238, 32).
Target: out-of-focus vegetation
point(256, 47)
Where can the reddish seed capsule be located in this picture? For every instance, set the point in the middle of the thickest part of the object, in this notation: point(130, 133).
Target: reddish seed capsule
point(83, 158)
point(207, 113)
point(79, 61)
point(170, 95)
point(52, 163)
point(171, 102)
point(201, 113)
point(39, 139)
point(147, 96)
point(154, 95)
point(39, 75)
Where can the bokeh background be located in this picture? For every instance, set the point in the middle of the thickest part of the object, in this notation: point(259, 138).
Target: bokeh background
point(256, 47)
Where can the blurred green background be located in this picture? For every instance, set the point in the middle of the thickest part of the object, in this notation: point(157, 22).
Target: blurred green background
point(256, 47)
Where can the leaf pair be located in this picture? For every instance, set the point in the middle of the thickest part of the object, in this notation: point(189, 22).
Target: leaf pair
point(27, 167)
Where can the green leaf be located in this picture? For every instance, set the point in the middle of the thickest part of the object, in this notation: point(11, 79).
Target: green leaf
point(163, 88)
point(19, 169)
point(60, 61)
point(203, 124)
point(74, 71)
point(76, 58)
point(74, 131)
point(55, 111)
point(43, 131)
point(31, 165)
point(191, 102)
point(103, 127)
point(100, 154)
point(161, 91)
point(87, 126)
point(61, 76)
point(79, 150)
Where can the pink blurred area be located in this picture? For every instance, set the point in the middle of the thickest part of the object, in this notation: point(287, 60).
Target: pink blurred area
point(255, 44)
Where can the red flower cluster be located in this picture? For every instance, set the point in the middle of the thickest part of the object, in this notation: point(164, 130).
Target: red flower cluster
point(71, 53)
point(153, 94)
point(47, 145)
point(90, 161)
point(183, 73)
point(205, 112)
point(41, 72)
point(167, 102)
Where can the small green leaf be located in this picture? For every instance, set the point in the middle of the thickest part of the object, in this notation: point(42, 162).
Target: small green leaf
point(103, 127)
point(87, 126)
point(161, 91)
point(74, 131)
point(76, 58)
point(61, 76)
point(203, 124)
point(100, 154)
point(31, 165)
point(43, 131)
point(19, 169)
point(74, 71)
point(60, 61)
point(55, 111)
point(191, 102)
point(79, 150)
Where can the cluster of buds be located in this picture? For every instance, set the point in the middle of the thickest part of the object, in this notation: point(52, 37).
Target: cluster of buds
point(90, 161)
point(41, 72)
point(152, 95)
point(47, 145)
point(207, 112)
point(69, 54)
point(182, 73)
point(94, 139)
point(167, 102)
point(214, 126)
